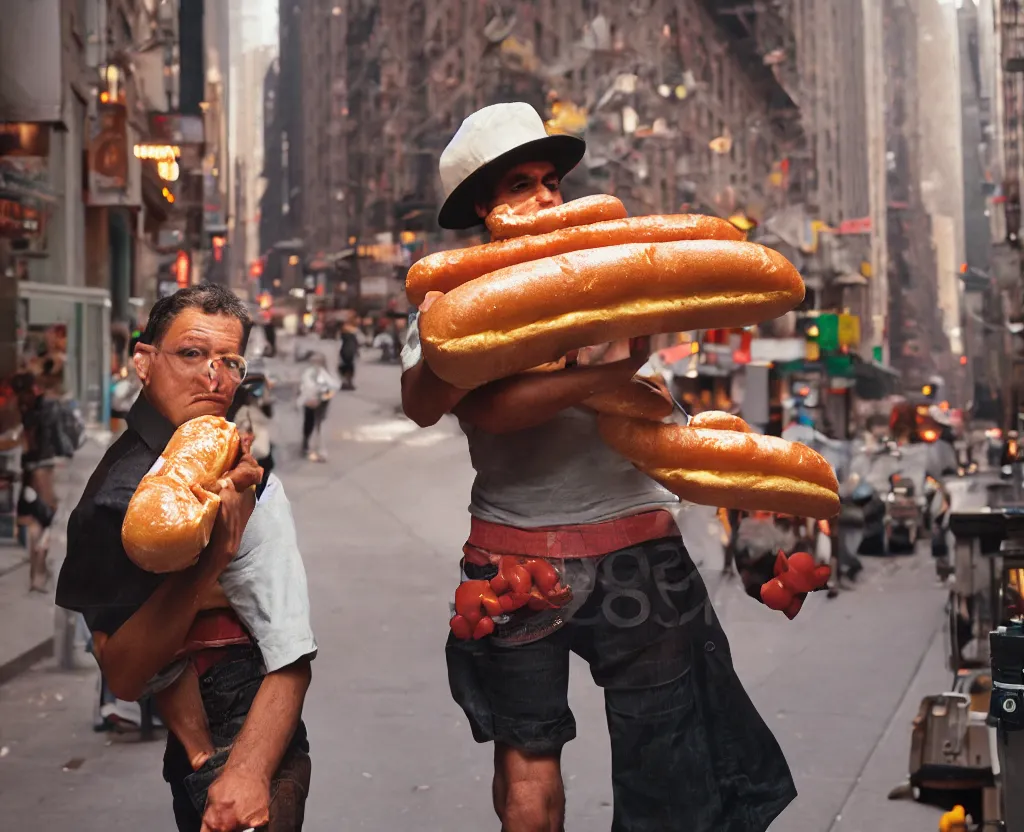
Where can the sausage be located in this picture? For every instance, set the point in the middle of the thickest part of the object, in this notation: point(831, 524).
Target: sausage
point(504, 223)
point(444, 271)
point(534, 313)
point(728, 468)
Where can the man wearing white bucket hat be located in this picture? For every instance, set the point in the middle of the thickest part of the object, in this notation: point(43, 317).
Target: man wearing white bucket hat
point(689, 750)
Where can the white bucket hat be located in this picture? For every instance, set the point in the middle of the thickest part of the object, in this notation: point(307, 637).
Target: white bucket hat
point(489, 142)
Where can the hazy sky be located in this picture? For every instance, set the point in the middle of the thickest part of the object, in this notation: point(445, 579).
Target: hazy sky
point(259, 22)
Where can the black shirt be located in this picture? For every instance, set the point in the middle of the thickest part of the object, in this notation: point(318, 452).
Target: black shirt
point(97, 578)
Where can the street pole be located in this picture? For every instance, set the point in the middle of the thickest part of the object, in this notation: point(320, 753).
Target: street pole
point(874, 86)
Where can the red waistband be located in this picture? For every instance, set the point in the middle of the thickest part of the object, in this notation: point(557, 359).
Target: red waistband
point(212, 632)
point(589, 541)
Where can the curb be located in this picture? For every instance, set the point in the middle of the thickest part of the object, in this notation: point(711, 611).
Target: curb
point(19, 664)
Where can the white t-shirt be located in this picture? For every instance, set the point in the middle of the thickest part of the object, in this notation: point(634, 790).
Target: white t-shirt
point(556, 474)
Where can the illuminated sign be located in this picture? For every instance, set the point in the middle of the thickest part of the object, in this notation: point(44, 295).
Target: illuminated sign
point(158, 152)
point(167, 169)
point(218, 247)
point(182, 269)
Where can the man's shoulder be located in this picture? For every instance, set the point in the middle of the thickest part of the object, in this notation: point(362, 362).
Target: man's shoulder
point(119, 473)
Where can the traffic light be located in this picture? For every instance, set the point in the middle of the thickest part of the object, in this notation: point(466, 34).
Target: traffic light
point(808, 328)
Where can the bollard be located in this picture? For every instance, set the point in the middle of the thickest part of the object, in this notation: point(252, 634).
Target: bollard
point(65, 632)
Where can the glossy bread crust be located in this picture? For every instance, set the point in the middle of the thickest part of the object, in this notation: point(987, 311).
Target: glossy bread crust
point(444, 271)
point(171, 515)
point(534, 313)
point(728, 467)
point(504, 223)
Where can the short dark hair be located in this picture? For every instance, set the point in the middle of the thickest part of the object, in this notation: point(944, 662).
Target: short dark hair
point(211, 298)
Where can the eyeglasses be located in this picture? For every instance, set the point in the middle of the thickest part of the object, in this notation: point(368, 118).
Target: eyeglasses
point(197, 361)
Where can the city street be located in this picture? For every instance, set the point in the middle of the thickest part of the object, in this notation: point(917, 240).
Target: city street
point(381, 526)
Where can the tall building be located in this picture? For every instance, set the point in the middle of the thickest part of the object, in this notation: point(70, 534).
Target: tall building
point(679, 112)
point(219, 260)
point(249, 131)
point(281, 206)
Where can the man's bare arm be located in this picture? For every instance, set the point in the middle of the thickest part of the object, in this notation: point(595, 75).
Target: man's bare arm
point(148, 641)
point(272, 720)
point(525, 401)
point(240, 796)
point(425, 397)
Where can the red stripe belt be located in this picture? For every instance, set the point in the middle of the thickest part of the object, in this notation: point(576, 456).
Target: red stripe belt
point(211, 633)
point(569, 542)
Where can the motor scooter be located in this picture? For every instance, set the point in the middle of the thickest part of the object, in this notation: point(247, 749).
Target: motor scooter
point(903, 515)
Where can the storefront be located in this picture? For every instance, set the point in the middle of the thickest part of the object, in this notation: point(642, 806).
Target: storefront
point(70, 326)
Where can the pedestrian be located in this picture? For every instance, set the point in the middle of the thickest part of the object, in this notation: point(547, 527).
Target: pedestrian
point(270, 335)
point(689, 750)
point(251, 687)
point(316, 389)
point(253, 417)
point(37, 500)
point(349, 353)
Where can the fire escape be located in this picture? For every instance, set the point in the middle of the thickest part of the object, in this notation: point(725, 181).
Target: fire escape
point(917, 340)
point(1012, 36)
point(1012, 41)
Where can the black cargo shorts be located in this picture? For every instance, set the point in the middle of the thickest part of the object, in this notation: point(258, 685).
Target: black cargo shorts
point(690, 752)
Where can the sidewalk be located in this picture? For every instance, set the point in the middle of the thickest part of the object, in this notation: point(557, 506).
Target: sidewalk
point(29, 620)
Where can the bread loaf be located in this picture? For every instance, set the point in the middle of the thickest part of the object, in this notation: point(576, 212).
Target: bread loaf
point(447, 270)
point(504, 223)
point(536, 312)
point(728, 468)
point(171, 515)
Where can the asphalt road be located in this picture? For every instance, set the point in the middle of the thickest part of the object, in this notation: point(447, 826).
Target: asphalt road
point(381, 526)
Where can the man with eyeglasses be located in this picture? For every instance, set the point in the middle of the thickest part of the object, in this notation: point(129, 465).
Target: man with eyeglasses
point(150, 630)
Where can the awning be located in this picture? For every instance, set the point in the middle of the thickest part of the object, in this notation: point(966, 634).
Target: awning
point(871, 380)
point(875, 381)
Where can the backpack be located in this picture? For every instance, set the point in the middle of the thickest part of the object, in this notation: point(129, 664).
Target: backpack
point(69, 427)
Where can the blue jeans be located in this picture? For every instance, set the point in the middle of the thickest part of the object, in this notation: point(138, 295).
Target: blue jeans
point(228, 690)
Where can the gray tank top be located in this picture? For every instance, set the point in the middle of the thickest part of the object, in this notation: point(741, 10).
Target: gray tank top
point(557, 474)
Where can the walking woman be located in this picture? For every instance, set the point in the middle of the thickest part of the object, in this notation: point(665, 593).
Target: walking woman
point(316, 389)
point(37, 502)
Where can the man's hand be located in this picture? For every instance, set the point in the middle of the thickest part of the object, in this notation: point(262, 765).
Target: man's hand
point(236, 801)
point(636, 350)
point(232, 517)
point(428, 301)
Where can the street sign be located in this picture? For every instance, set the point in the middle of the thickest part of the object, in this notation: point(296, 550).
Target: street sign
point(828, 332)
point(849, 330)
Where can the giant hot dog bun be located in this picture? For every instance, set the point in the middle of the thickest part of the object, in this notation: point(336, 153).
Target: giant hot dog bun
point(504, 223)
point(171, 515)
point(446, 270)
point(728, 467)
point(536, 312)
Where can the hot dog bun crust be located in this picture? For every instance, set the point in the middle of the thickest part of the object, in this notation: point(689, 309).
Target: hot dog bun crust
point(444, 271)
point(504, 223)
point(728, 468)
point(536, 312)
point(168, 524)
